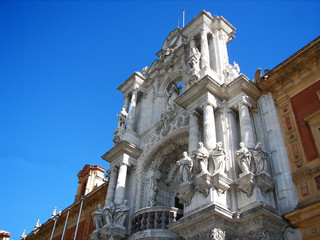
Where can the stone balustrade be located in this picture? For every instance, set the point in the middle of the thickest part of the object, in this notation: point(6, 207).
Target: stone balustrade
point(154, 218)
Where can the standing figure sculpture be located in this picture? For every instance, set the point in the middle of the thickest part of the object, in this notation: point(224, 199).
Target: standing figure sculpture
point(219, 158)
point(122, 118)
point(153, 193)
point(121, 213)
point(109, 210)
point(200, 158)
point(98, 220)
point(244, 158)
point(185, 166)
point(172, 94)
point(260, 158)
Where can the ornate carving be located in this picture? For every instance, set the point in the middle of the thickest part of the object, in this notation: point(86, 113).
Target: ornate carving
point(202, 183)
point(264, 182)
point(185, 193)
point(245, 183)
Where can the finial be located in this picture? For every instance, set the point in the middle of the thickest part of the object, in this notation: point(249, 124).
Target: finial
point(37, 224)
point(183, 12)
point(23, 236)
point(54, 213)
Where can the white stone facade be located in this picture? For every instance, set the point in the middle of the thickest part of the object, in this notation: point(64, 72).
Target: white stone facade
point(193, 100)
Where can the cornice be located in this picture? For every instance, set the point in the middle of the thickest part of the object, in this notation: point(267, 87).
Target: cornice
point(302, 63)
point(118, 150)
point(222, 92)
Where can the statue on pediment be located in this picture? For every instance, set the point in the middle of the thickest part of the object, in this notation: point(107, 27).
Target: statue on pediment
point(219, 158)
point(121, 213)
point(185, 166)
point(200, 159)
point(109, 211)
point(260, 158)
point(98, 220)
point(244, 158)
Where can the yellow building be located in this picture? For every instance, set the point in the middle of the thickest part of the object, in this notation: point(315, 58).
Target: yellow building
point(295, 87)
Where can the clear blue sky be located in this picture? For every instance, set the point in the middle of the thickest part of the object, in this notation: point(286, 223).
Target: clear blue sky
point(60, 65)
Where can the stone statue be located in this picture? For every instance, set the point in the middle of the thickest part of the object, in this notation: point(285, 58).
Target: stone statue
point(172, 94)
point(98, 220)
point(108, 211)
point(185, 166)
point(194, 59)
point(244, 158)
point(219, 158)
point(200, 158)
point(260, 158)
point(153, 193)
point(122, 118)
point(231, 72)
point(121, 213)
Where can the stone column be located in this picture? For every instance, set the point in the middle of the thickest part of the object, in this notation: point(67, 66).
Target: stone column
point(113, 173)
point(205, 60)
point(212, 55)
point(209, 127)
point(193, 132)
point(132, 110)
point(121, 182)
point(246, 129)
point(215, 40)
point(126, 102)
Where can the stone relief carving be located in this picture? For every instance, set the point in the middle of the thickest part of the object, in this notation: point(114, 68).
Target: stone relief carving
point(244, 158)
point(219, 158)
point(166, 59)
point(170, 121)
point(200, 159)
point(185, 167)
point(260, 158)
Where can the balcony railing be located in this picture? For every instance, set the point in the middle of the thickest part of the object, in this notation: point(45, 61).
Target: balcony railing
point(154, 218)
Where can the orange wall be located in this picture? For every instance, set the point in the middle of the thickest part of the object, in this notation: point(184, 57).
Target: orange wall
point(303, 104)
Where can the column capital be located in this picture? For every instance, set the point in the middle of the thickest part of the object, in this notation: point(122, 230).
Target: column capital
point(243, 101)
point(194, 113)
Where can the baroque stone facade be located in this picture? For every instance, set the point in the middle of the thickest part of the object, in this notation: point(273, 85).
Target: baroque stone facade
point(198, 152)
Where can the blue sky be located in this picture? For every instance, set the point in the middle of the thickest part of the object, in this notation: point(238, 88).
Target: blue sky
point(60, 65)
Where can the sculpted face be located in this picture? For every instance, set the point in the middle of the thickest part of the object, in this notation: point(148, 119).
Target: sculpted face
point(200, 144)
point(241, 144)
point(185, 154)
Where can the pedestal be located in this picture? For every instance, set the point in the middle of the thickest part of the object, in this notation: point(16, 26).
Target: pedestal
point(208, 190)
point(202, 183)
point(112, 232)
point(95, 235)
point(185, 193)
point(254, 190)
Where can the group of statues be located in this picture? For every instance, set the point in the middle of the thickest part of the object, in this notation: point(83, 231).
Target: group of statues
point(111, 215)
point(198, 162)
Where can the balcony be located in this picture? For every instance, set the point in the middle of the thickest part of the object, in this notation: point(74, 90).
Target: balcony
point(154, 220)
